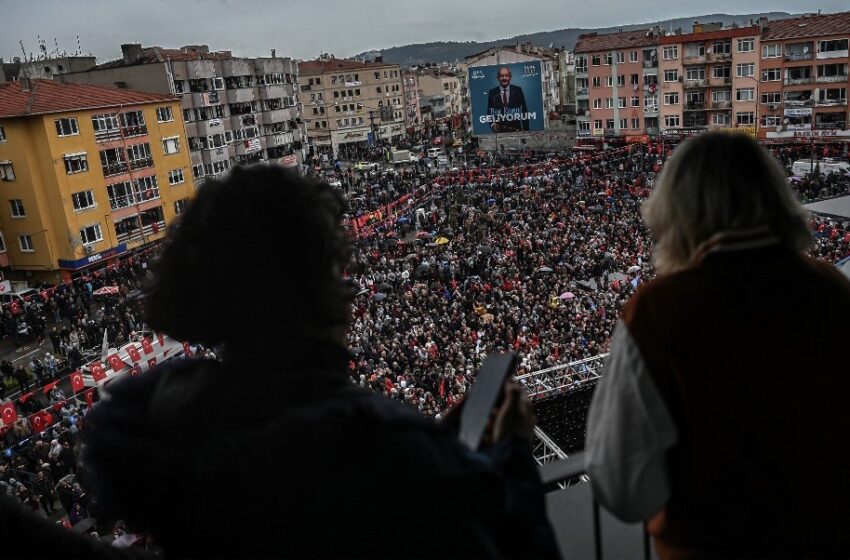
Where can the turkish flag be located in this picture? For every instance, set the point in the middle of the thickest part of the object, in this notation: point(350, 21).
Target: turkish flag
point(24, 398)
point(49, 387)
point(90, 397)
point(8, 413)
point(147, 346)
point(135, 370)
point(77, 383)
point(97, 372)
point(58, 406)
point(161, 340)
point(41, 420)
point(187, 350)
point(134, 353)
point(152, 363)
point(115, 362)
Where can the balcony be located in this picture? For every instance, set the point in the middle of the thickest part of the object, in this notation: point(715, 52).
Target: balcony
point(279, 139)
point(205, 99)
point(721, 105)
point(140, 235)
point(115, 168)
point(141, 163)
point(833, 54)
point(832, 79)
point(831, 125)
point(652, 130)
point(125, 201)
point(799, 102)
point(277, 115)
point(718, 57)
point(650, 111)
point(694, 59)
point(581, 92)
point(273, 91)
point(136, 130)
point(797, 56)
point(696, 83)
point(695, 106)
point(650, 64)
point(241, 95)
point(831, 102)
point(799, 81)
point(200, 69)
point(212, 126)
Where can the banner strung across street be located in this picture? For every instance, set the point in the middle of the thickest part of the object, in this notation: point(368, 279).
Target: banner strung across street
point(506, 98)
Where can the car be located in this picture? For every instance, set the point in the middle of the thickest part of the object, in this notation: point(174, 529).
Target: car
point(365, 166)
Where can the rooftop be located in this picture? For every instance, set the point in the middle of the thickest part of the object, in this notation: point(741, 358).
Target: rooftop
point(326, 65)
point(593, 42)
point(753, 31)
point(150, 55)
point(48, 96)
point(808, 26)
point(524, 48)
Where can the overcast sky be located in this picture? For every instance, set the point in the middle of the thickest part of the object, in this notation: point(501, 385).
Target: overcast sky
point(305, 28)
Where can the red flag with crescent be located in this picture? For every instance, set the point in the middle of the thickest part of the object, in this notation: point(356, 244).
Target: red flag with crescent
point(152, 363)
point(135, 370)
point(8, 413)
point(25, 397)
point(161, 340)
point(97, 372)
point(90, 397)
point(147, 346)
point(187, 350)
point(134, 353)
point(41, 420)
point(115, 362)
point(77, 383)
point(49, 387)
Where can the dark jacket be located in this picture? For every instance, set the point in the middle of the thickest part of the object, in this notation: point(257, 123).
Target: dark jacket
point(516, 102)
point(221, 460)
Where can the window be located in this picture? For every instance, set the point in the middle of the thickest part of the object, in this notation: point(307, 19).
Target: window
point(584, 125)
point(635, 80)
point(7, 173)
point(164, 114)
point(635, 101)
point(772, 97)
point(746, 45)
point(744, 94)
point(609, 123)
point(720, 95)
point(66, 127)
point(633, 57)
point(609, 104)
point(621, 57)
point(597, 125)
point(771, 121)
point(198, 171)
point(745, 118)
point(175, 177)
point(745, 70)
point(608, 61)
point(83, 200)
point(832, 96)
point(621, 80)
point(771, 75)
point(139, 155)
point(833, 45)
point(25, 241)
point(636, 123)
point(179, 86)
point(671, 75)
point(609, 81)
point(595, 60)
point(597, 103)
point(624, 123)
point(722, 119)
point(722, 72)
point(721, 47)
point(671, 121)
point(621, 103)
point(671, 52)
point(597, 81)
point(171, 145)
point(2, 134)
point(188, 115)
point(650, 103)
point(76, 163)
point(104, 125)
point(218, 83)
point(91, 234)
point(695, 73)
point(671, 98)
point(17, 206)
point(180, 205)
point(771, 51)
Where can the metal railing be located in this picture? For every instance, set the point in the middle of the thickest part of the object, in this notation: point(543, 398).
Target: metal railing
point(115, 168)
point(721, 104)
point(793, 57)
point(141, 163)
point(832, 79)
point(119, 202)
point(798, 81)
point(562, 377)
point(142, 233)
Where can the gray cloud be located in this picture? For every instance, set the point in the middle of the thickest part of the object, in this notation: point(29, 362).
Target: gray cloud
point(303, 29)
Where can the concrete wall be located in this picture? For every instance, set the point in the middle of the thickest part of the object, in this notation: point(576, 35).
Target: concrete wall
point(142, 77)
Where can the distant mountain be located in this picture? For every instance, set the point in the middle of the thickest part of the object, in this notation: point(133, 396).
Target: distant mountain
point(451, 51)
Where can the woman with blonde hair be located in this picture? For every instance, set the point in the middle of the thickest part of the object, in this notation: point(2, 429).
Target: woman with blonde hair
point(720, 417)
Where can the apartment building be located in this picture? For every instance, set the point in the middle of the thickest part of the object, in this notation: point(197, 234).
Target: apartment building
point(44, 67)
point(804, 77)
point(88, 173)
point(440, 91)
point(616, 84)
point(236, 110)
point(708, 79)
point(351, 102)
point(412, 112)
point(526, 52)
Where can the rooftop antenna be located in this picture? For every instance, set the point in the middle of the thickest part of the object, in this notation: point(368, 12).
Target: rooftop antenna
point(79, 48)
point(23, 50)
point(56, 45)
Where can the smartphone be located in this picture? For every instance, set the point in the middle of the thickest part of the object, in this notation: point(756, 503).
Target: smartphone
point(483, 396)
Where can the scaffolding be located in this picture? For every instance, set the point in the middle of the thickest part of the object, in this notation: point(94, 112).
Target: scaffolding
point(560, 378)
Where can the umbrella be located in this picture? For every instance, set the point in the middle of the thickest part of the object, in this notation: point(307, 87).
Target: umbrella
point(411, 257)
point(106, 291)
point(617, 276)
point(491, 201)
point(567, 295)
point(634, 268)
point(380, 296)
point(589, 284)
point(441, 241)
point(485, 249)
point(403, 220)
point(544, 269)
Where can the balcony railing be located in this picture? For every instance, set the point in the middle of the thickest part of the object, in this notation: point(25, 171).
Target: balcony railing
point(137, 234)
point(831, 102)
point(141, 163)
point(832, 79)
point(650, 64)
point(114, 168)
point(721, 104)
point(119, 202)
point(648, 110)
point(695, 106)
point(581, 91)
point(794, 57)
point(831, 125)
point(137, 130)
point(694, 59)
point(799, 102)
point(696, 83)
point(718, 57)
point(798, 81)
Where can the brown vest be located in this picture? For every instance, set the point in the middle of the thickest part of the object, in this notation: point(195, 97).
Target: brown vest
point(751, 353)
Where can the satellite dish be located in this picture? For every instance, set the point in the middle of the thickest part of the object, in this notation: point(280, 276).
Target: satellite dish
point(806, 50)
point(587, 113)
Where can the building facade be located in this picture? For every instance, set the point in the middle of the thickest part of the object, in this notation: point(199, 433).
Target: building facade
point(350, 103)
point(440, 92)
point(412, 112)
point(236, 110)
point(709, 80)
point(804, 78)
point(89, 173)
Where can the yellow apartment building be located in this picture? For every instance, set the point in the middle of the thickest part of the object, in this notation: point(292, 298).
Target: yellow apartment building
point(88, 174)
